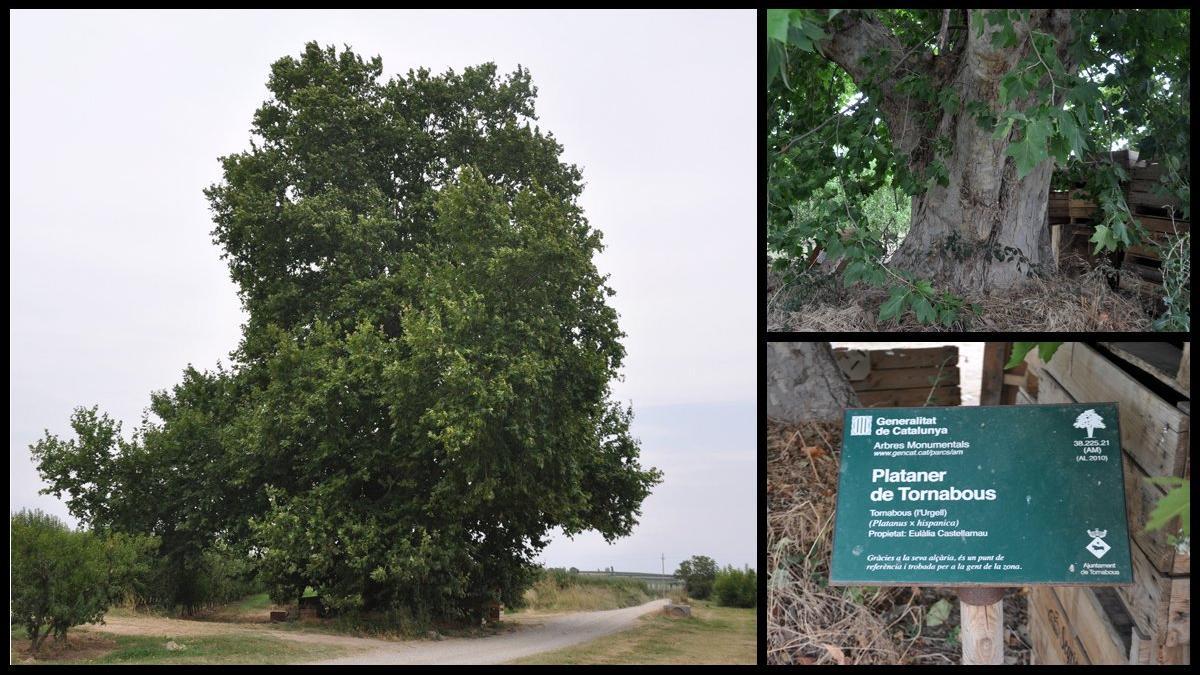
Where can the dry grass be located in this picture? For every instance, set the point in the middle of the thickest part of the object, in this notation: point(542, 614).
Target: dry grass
point(584, 594)
point(1061, 303)
point(812, 623)
point(713, 635)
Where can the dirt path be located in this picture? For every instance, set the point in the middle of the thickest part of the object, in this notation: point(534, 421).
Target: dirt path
point(535, 634)
point(540, 634)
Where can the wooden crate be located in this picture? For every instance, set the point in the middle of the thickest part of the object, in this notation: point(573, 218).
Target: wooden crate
point(1142, 190)
point(903, 377)
point(1166, 226)
point(1161, 360)
point(1068, 207)
point(1098, 620)
point(1054, 641)
point(1153, 620)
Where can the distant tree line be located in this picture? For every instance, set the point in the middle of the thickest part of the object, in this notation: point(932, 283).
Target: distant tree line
point(730, 586)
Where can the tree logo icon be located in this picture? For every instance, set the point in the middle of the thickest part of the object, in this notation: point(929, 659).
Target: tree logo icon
point(1089, 420)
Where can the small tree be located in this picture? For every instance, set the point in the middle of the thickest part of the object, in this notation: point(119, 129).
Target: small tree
point(736, 588)
point(59, 577)
point(698, 574)
point(1089, 420)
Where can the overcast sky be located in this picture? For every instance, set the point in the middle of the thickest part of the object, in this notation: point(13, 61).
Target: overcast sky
point(117, 121)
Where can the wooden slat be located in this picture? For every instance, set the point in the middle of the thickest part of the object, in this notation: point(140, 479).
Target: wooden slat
point(1165, 225)
point(1159, 359)
point(1042, 653)
point(907, 378)
point(931, 357)
point(1179, 614)
point(1184, 375)
point(1153, 431)
point(995, 354)
point(894, 398)
point(1012, 380)
point(1147, 252)
point(1149, 597)
point(1031, 383)
point(1140, 498)
point(1091, 625)
point(1054, 641)
point(1141, 648)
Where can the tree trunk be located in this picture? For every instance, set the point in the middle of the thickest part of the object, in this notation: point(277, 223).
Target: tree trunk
point(985, 228)
point(804, 383)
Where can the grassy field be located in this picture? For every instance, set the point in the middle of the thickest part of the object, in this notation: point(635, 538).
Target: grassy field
point(576, 593)
point(87, 647)
point(718, 635)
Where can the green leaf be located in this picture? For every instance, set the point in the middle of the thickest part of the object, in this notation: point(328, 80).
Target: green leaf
point(1005, 37)
point(947, 316)
point(1103, 238)
point(1046, 350)
point(1069, 129)
point(1175, 504)
point(894, 304)
point(854, 272)
point(1031, 149)
point(813, 31)
point(1060, 148)
point(925, 312)
point(949, 100)
point(1012, 86)
point(778, 21)
point(1019, 350)
point(1002, 128)
point(834, 12)
point(1026, 155)
point(938, 614)
point(774, 57)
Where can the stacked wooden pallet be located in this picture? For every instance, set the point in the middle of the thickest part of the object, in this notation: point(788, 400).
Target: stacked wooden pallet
point(888, 378)
point(1148, 622)
point(1072, 216)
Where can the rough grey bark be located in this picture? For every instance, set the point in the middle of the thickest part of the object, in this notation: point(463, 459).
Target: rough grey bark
point(804, 383)
point(957, 230)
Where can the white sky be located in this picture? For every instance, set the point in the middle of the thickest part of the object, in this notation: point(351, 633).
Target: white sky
point(117, 120)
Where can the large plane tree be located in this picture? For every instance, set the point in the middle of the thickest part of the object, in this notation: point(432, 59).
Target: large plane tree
point(421, 393)
point(970, 112)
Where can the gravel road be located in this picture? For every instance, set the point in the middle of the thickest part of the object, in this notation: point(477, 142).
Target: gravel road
point(550, 632)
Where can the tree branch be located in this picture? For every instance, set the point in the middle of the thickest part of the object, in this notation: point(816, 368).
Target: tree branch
point(941, 42)
point(856, 34)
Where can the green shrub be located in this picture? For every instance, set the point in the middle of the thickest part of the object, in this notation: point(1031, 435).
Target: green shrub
point(131, 563)
point(58, 577)
point(698, 574)
point(736, 588)
point(559, 589)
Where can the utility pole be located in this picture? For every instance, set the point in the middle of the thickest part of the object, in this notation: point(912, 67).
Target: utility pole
point(664, 563)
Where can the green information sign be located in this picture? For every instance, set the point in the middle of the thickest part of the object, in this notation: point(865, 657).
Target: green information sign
point(981, 495)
